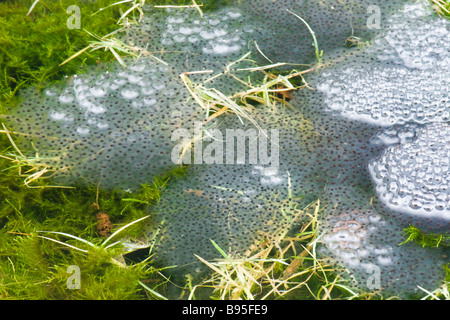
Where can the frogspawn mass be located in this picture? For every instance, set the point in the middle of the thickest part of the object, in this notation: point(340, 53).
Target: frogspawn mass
point(373, 117)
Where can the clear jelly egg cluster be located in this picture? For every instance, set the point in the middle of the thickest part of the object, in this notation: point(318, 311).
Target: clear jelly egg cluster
point(414, 177)
point(387, 95)
point(112, 127)
point(402, 77)
point(367, 243)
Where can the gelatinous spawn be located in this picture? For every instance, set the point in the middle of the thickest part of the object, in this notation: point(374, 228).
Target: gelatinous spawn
point(387, 95)
point(402, 77)
point(89, 120)
point(415, 39)
point(112, 127)
point(414, 177)
point(366, 244)
point(115, 126)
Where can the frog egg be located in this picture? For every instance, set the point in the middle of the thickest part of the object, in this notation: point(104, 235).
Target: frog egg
point(102, 125)
point(57, 115)
point(97, 92)
point(96, 109)
point(66, 98)
point(83, 130)
point(129, 94)
point(384, 260)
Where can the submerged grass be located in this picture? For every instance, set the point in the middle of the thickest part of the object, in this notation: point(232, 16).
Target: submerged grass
point(285, 267)
point(442, 7)
point(274, 90)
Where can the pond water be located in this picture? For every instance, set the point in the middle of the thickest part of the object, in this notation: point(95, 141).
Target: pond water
point(368, 135)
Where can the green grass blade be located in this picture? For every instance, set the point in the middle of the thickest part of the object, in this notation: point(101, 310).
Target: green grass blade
point(153, 292)
point(64, 244)
point(71, 236)
point(121, 229)
point(220, 250)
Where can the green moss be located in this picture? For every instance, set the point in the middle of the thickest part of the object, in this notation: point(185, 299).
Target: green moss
point(36, 268)
point(430, 240)
point(31, 267)
point(32, 46)
point(447, 274)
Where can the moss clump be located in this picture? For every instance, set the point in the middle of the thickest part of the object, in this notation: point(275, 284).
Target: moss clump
point(33, 267)
point(430, 240)
point(32, 46)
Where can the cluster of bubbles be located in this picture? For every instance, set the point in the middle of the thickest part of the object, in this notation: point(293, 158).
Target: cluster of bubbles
point(387, 95)
point(417, 42)
point(196, 43)
point(211, 34)
point(348, 239)
point(115, 126)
